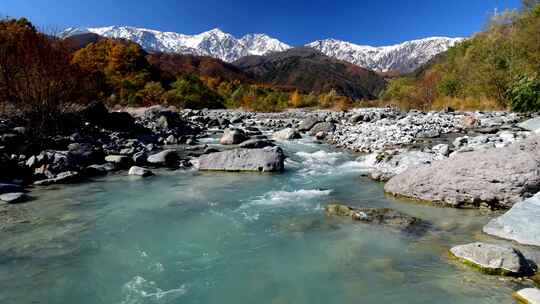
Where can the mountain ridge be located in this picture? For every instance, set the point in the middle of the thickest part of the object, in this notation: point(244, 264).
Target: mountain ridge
point(403, 57)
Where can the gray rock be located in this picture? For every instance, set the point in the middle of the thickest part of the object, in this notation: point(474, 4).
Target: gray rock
point(99, 170)
point(528, 296)
point(521, 223)
point(326, 127)
point(232, 137)
point(286, 134)
point(532, 124)
point(61, 178)
point(8, 188)
point(256, 144)
point(308, 123)
point(121, 161)
point(493, 259)
point(166, 157)
point(441, 149)
point(14, 197)
point(378, 216)
point(495, 178)
point(140, 158)
point(261, 160)
point(390, 163)
point(139, 171)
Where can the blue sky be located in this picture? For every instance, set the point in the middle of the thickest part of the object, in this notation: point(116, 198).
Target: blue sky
point(373, 22)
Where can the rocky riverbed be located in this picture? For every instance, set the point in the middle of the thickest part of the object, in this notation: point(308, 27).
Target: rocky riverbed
point(459, 159)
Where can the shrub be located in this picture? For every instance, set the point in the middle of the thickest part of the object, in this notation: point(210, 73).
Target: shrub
point(524, 94)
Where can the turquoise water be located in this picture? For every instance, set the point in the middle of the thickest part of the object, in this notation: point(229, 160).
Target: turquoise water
point(189, 237)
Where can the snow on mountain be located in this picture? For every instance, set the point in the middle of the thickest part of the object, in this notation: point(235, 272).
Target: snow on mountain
point(214, 43)
point(404, 57)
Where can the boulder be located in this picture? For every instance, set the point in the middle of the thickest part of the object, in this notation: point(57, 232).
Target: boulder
point(140, 158)
point(493, 259)
point(139, 171)
point(269, 159)
point(532, 124)
point(121, 161)
point(379, 216)
point(495, 178)
point(14, 197)
point(232, 137)
point(163, 158)
point(528, 296)
point(390, 163)
point(286, 134)
point(308, 123)
point(521, 223)
point(256, 144)
point(62, 178)
point(99, 170)
point(325, 127)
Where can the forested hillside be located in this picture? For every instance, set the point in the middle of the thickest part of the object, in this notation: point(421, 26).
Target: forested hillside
point(497, 68)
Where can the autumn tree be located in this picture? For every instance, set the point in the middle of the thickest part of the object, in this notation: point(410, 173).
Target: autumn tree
point(36, 76)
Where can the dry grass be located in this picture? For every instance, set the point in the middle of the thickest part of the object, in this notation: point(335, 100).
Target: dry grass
point(467, 104)
point(459, 104)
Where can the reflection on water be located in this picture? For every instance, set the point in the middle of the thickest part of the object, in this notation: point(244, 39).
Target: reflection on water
point(190, 237)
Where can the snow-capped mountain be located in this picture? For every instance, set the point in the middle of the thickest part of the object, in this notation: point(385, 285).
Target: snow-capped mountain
point(403, 57)
point(214, 43)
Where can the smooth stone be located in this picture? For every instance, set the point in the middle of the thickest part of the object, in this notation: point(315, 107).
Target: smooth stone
point(122, 161)
point(521, 223)
point(61, 178)
point(325, 127)
point(495, 178)
point(493, 259)
point(139, 171)
point(256, 144)
point(390, 164)
point(532, 124)
point(165, 157)
point(232, 137)
point(8, 188)
point(269, 159)
point(13, 198)
point(286, 134)
point(308, 123)
point(528, 296)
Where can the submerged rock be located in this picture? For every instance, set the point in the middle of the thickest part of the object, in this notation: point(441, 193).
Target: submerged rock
point(378, 216)
point(261, 160)
point(493, 178)
point(286, 134)
point(528, 296)
point(521, 223)
point(493, 259)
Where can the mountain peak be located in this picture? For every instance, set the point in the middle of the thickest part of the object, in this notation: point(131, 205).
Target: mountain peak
point(403, 57)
